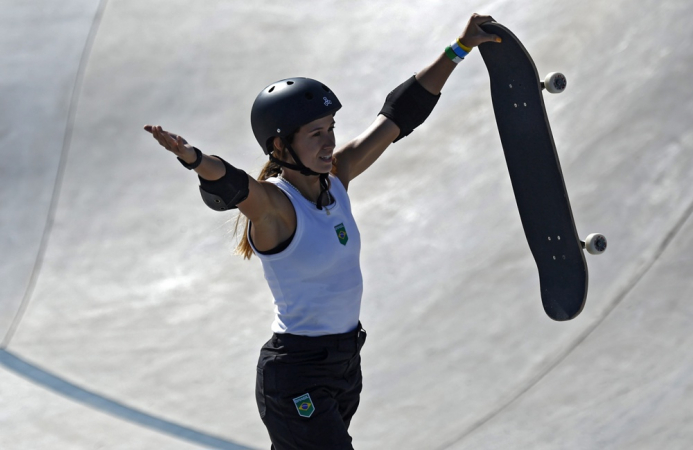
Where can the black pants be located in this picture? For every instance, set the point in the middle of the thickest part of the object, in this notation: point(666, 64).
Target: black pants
point(308, 389)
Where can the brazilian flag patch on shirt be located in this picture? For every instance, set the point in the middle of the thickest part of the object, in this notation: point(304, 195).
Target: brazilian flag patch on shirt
point(341, 234)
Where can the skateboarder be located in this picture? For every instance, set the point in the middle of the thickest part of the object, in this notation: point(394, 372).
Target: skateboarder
point(299, 224)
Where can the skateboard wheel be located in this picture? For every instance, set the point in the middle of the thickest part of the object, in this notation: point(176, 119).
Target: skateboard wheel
point(595, 244)
point(555, 82)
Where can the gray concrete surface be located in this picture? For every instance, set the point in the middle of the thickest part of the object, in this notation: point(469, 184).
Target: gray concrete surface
point(119, 281)
point(32, 417)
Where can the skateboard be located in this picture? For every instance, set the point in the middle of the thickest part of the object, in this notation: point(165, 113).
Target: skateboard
point(535, 173)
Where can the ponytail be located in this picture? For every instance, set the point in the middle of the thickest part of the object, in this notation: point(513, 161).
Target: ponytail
point(244, 249)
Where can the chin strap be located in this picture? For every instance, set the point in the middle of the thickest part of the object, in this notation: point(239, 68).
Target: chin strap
point(324, 183)
point(300, 168)
point(324, 188)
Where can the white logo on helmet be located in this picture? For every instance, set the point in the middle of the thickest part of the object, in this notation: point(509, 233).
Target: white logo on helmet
point(328, 102)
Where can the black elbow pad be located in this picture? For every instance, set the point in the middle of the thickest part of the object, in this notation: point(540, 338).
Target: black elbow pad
point(408, 105)
point(226, 192)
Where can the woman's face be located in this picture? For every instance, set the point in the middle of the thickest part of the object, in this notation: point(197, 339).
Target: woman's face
point(314, 144)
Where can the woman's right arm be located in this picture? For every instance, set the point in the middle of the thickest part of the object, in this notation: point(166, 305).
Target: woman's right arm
point(222, 185)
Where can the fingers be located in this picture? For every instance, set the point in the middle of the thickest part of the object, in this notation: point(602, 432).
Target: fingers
point(161, 136)
point(480, 19)
point(490, 38)
point(485, 37)
point(168, 139)
point(474, 35)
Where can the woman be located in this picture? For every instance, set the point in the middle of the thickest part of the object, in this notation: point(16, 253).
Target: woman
point(299, 223)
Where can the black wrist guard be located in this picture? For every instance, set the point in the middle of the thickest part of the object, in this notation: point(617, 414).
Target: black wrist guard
point(408, 105)
point(226, 192)
point(194, 164)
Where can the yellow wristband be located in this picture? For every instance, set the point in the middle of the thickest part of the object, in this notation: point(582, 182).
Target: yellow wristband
point(463, 47)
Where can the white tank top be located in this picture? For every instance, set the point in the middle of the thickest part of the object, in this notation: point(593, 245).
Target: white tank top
point(316, 281)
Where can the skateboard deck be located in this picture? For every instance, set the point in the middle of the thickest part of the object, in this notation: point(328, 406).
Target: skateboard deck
point(535, 173)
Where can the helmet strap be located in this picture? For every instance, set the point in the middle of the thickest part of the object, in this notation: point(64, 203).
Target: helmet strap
point(324, 188)
point(303, 169)
point(300, 167)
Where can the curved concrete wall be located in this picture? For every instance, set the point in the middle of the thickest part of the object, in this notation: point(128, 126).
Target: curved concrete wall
point(139, 299)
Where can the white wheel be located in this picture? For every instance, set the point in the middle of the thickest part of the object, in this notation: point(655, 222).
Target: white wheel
point(555, 82)
point(595, 244)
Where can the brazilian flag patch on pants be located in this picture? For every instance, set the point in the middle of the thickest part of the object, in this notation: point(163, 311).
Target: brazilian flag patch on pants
point(304, 405)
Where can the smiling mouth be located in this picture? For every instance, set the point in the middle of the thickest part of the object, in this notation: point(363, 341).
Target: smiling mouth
point(325, 158)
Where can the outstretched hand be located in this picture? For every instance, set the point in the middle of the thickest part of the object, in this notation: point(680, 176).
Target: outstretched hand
point(473, 35)
point(173, 143)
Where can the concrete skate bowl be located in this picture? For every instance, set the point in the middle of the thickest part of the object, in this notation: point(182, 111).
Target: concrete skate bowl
point(128, 323)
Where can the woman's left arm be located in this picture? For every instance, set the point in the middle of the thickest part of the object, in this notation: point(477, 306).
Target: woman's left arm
point(405, 108)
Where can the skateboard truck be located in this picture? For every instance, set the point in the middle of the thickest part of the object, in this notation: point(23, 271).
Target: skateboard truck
point(555, 83)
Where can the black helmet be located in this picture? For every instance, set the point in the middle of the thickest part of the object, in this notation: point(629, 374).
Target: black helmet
point(284, 106)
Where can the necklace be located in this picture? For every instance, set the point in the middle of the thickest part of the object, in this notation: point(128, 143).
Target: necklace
point(329, 196)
